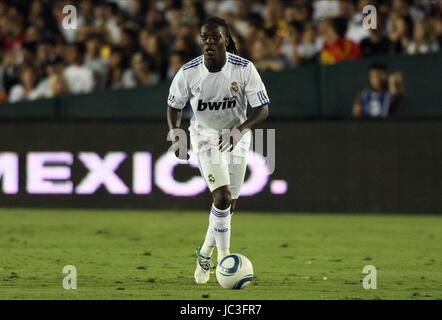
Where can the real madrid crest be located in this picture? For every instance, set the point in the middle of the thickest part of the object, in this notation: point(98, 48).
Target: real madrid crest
point(234, 88)
point(211, 178)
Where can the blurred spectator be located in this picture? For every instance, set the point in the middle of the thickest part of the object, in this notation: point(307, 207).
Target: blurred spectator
point(354, 15)
point(263, 58)
point(12, 34)
point(25, 90)
point(377, 43)
point(58, 17)
point(117, 67)
point(79, 78)
point(44, 53)
point(337, 48)
point(290, 45)
point(9, 71)
point(86, 12)
point(308, 50)
point(436, 28)
point(128, 42)
point(400, 33)
point(105, 20)
point(139, 73)
point(423, 41)
point(382, 98)
point(124, 43)
point(151, 44)
point(54, 84)
point(176, 61)
point(94, 62)
point(325, 9)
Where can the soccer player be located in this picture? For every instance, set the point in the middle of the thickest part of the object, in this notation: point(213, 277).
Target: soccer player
point(219, 85)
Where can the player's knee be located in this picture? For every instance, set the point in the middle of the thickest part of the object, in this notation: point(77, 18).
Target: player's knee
point(222, 199)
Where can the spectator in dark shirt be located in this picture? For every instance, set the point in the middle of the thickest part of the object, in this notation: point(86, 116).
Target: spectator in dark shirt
point(9, 71)
point(377, 43)
point(436, 26)
point(400, 33)
point(117, 68)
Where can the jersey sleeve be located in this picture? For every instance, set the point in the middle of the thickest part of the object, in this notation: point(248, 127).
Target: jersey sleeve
point(255, 90)
point(179, 91)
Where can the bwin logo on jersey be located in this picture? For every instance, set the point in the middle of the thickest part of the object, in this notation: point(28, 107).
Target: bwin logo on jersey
point(227, 103)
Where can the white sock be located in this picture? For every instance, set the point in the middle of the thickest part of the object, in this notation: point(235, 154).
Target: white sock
point(221, 229)
point(209, 242)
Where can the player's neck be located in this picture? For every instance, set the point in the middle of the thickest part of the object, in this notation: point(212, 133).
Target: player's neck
point(216, 65)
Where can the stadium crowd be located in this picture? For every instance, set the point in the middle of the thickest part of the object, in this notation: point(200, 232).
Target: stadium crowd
point(128, 43)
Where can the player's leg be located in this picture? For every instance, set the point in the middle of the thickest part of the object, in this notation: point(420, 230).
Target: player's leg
point(237, 171)
point(220, 219)
point(217, 178)
point(220, 197)
point(233, 206)
point(237, 168)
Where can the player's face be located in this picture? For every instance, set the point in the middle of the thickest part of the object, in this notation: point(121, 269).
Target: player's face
point(213, 41)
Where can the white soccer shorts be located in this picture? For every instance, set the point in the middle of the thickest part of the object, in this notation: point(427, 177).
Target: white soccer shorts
point(224, 168)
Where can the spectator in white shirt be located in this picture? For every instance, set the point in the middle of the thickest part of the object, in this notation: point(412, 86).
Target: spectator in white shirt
point(79, 78)
point(325, 9)
point(94, 61)
point(423, 40)
point(308, 51)
point(54, 84)
point(26, 89)
point(355, 31)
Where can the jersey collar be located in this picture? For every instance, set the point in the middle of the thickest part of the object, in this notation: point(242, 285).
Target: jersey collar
point(223, 69)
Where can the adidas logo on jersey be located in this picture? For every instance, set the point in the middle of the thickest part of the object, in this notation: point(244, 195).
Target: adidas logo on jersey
point(227, 103)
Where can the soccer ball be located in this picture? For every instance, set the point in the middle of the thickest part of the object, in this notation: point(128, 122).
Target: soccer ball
point(234, 271)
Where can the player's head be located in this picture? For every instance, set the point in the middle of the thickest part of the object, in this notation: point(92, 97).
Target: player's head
point(216, 38)
point(378, 76)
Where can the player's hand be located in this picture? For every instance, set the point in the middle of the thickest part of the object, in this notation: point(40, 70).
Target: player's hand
point(180, 151)
point(229, 140)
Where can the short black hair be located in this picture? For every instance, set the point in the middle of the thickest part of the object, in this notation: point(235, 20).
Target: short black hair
point(94, 36)
point(79, 46)
point(378, 66)
point(340, 25)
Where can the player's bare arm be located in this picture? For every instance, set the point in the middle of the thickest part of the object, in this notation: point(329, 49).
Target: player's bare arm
point(257, 116)
point(174, 117)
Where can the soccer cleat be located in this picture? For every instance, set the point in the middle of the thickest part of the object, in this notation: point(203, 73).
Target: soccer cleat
point(203, 266)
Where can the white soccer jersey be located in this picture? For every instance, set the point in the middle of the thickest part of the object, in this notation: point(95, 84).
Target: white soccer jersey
point(219, 100)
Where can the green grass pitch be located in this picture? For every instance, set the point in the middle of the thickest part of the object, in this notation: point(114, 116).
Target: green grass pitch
point(149, 255)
